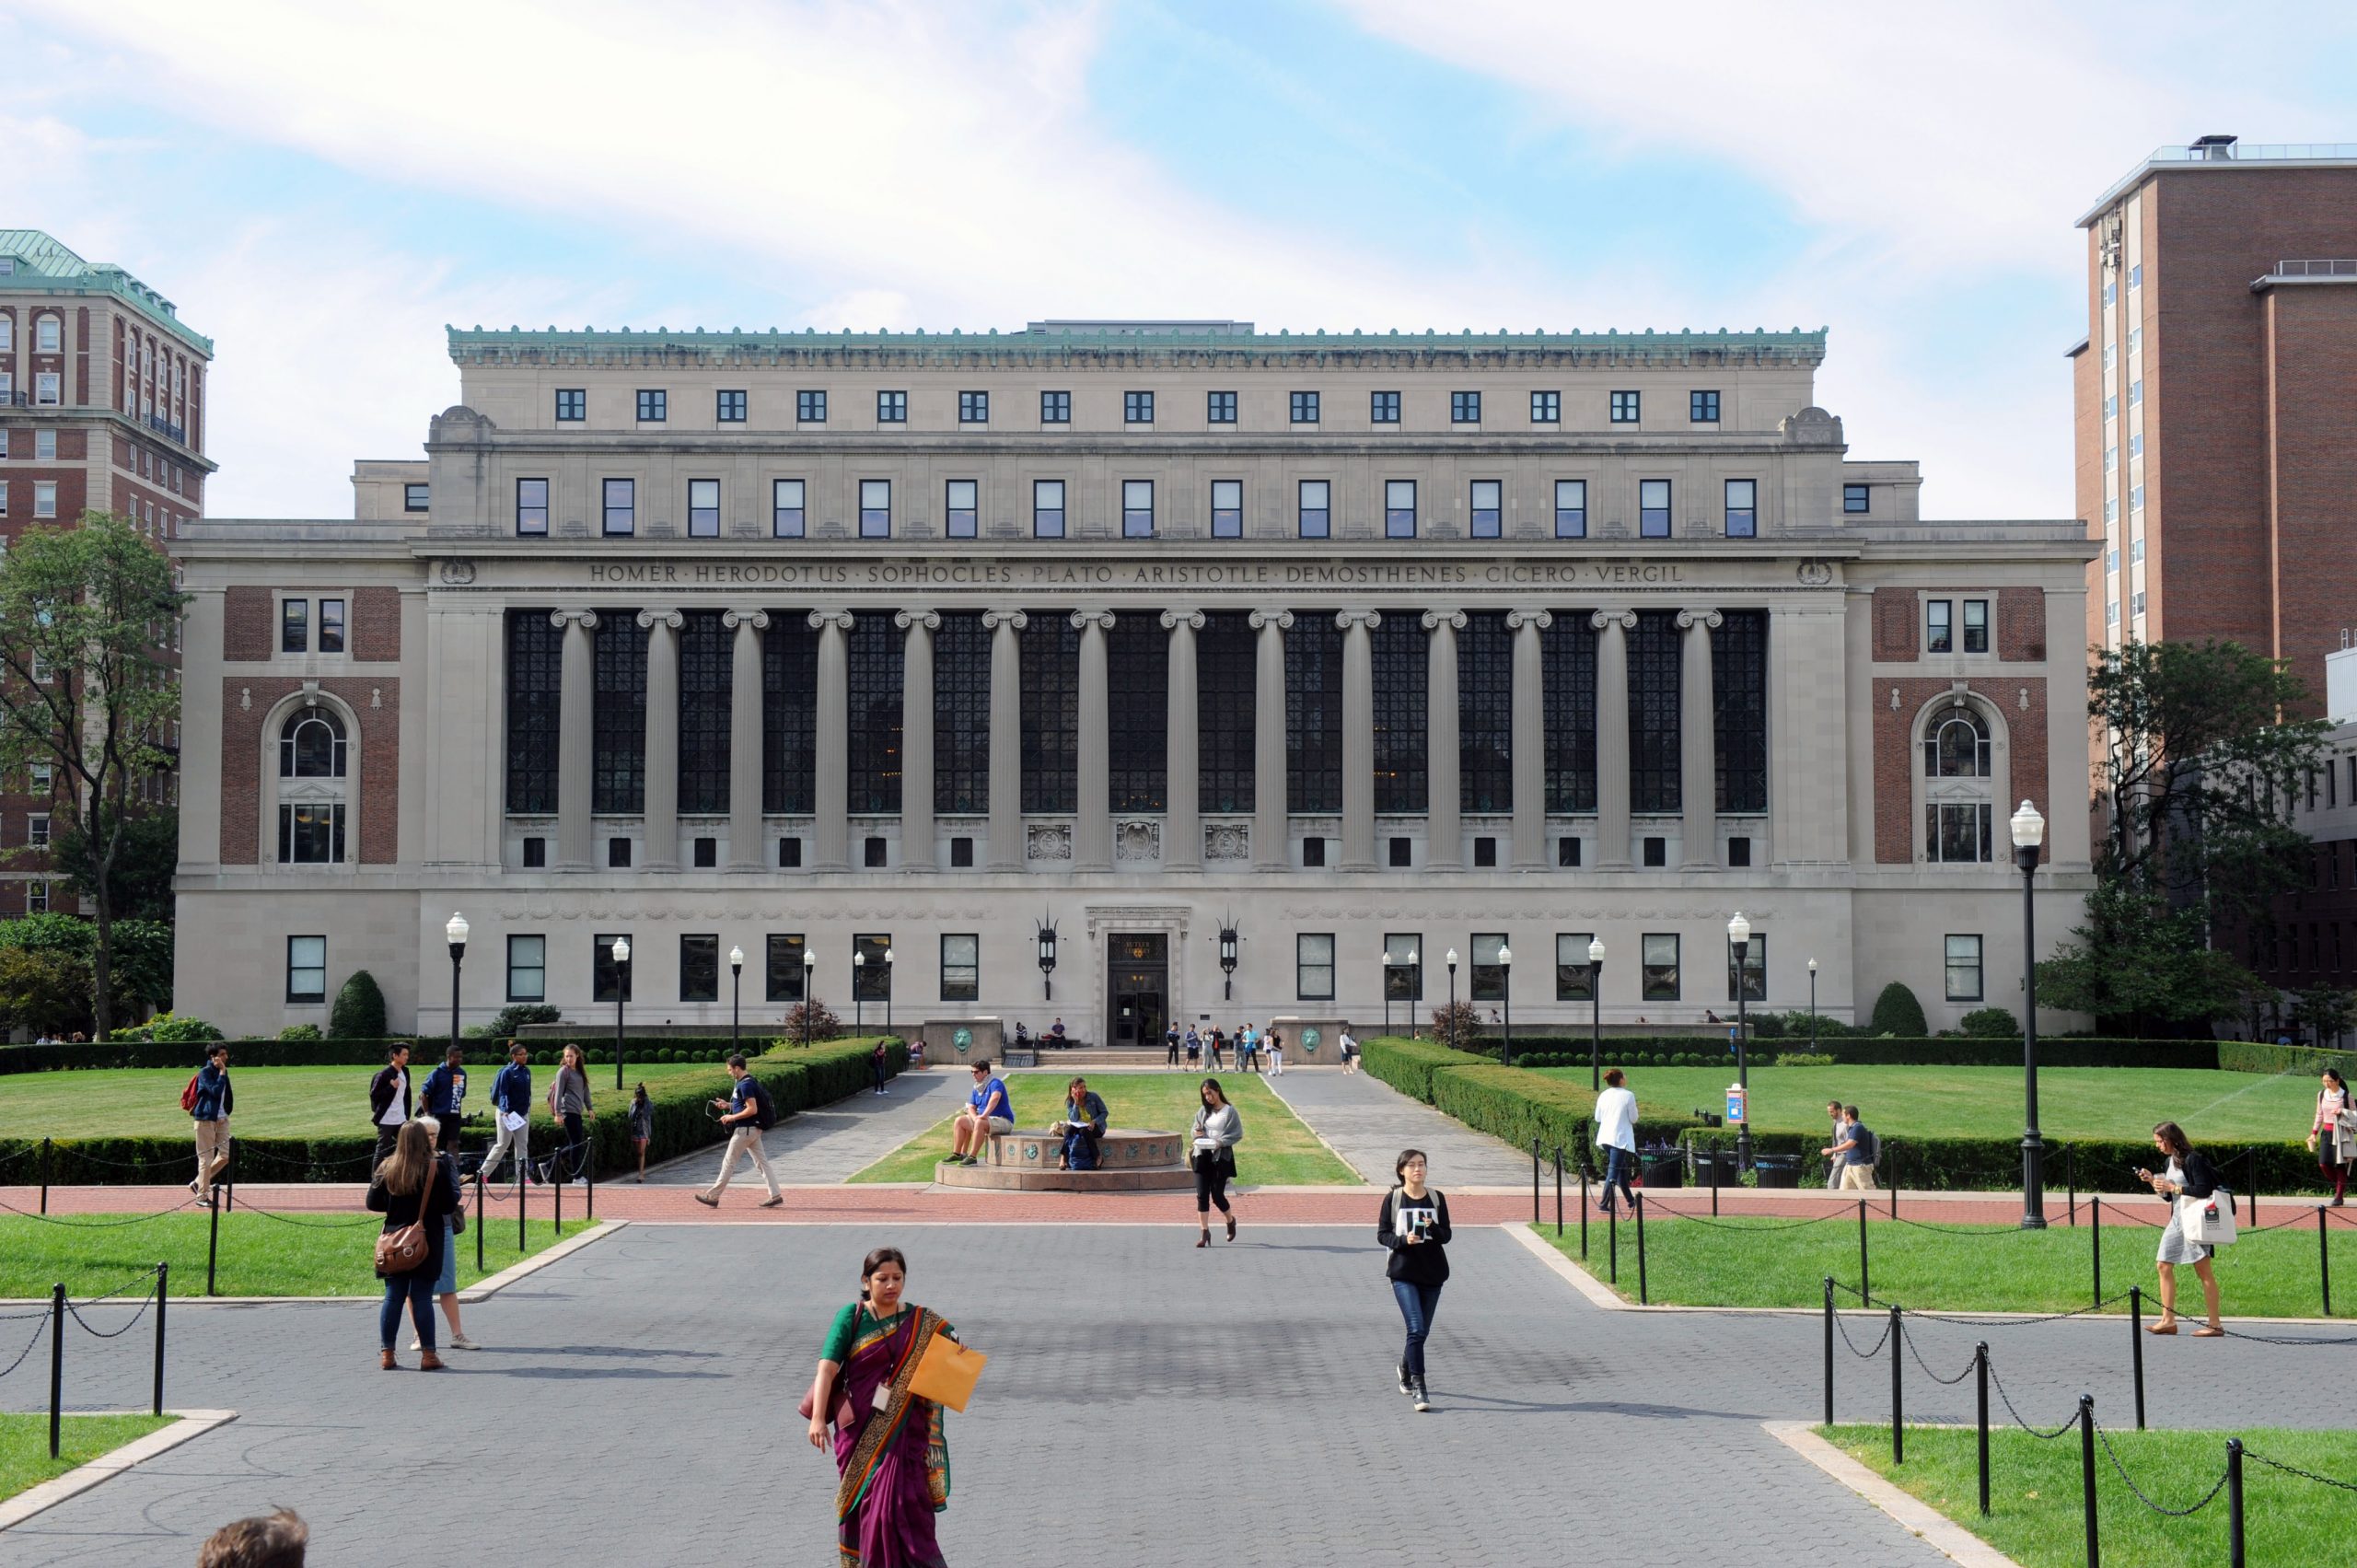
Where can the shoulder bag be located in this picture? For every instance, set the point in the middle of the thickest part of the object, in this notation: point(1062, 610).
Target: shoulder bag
point(2207, 1221)
point(404, 1249)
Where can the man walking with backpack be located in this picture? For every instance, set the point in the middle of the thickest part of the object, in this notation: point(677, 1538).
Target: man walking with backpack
point(750, 1113)
point(209, 1099)
point(388, 1100)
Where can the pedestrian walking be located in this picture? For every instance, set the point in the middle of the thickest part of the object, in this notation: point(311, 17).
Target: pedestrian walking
point(276, 1540)
point(409, 1189)
point(2333, 1134)
point(454, 1226)
point(880, 1065)
point(1248, 1049)
point(1194, 1050)
point(511, 1107)
point(1218, 1043)
point(2189, 1175)
point(389, 1099)
point(1170, 1046)
point(569, 1104)
point(209, 1098)
point(1276, 1052)
point(1616, 1134)
point(1833, 1167)
point(1415, 1225)
point(747, 1112)
point(1349, 1049)
point(892, 1447)
point(444, 1097)
point(1854, 1149)
point(641, 1127)
point(1218, 1128)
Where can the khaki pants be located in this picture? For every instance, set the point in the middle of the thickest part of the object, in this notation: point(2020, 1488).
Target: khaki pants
point(519, 1140)
point(1854, 1177)
point(745, 1140)
point(212, 1153)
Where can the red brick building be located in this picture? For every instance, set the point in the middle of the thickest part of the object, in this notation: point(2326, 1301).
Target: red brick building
point(102, 408)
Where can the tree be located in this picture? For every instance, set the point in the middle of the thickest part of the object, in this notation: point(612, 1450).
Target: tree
point(143, 871)
point(2140, 964)
point(2326, 1013)
point(359, 1010)
point(143, 951)
point(1898, 1014)
point(86, 687)
point(46, 990)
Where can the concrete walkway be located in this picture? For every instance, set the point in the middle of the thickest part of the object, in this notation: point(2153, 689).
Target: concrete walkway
point(1368, 1122)
point(826, 1145)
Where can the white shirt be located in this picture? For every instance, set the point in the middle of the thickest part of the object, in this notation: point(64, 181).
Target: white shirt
point(1616, 1119)
point(394, 1115)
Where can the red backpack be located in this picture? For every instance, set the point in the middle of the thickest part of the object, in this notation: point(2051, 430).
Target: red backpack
point(188, 1095)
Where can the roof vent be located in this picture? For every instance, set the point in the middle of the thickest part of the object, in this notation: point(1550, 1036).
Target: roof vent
point(2214, 146)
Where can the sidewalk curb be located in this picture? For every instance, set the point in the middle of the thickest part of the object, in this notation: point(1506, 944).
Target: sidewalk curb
point(485, 1289)
point(1598, 1292)
point(1919, 1518)
point(190, 1425)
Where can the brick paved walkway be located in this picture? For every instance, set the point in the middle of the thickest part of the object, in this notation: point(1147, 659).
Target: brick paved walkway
point(831, 1142)
point(1368, 1122)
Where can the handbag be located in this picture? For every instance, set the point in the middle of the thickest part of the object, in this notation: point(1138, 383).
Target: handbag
point(947, 1373)
point(2207, 1221)
point(404, 1250)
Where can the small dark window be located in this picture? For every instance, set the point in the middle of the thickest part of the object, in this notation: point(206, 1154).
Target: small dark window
point(1702, 408)
point(1546, 408)
point(789, 853)
point(536, 853)
point(1626, 407)
point(810, 408)
point(1313, 851)
point(331, 625)
point(414, 497)
point(973, 407)
point(1055, 408)
point(875, 854)
point(1939, 636)
point(728, 408)
point(1465, 408)
point(1400, 851)
point(1743, 509)
point(1976, 624)
point(1305, 408)
point(532, 505)
point(1740, 851)
point(961, 851)
point(295, 626)
point(707, 854)
point(1656, 851)
point(1137, 408)
point(1567, 851)
point(654, 406)
point(1383, 408)
point(618, 852)
point(1219, 408)
point(892, 408)
point(1485, 850)
point(572, 405)
point(1853, 498)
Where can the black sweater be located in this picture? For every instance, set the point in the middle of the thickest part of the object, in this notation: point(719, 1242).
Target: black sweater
point(1426, 1262)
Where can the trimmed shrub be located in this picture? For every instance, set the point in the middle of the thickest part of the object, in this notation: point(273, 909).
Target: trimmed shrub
point(301, 1031)
point(516, 1015)
point(1897, 1013)
point(1804, 1059)
point(813, 1017)
point(2253, 1056)
point(1995, 1163)
point(359, 1010)
point(1865, 1050)
point(172, 1029)
point(1990, 1023)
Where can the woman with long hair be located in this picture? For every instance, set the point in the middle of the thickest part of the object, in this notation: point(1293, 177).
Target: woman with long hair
point(2189, 1175)
point(569, 1103)
point(891, 1454)
point(2333, 1134)
point(414, 1186)
point(1218, 1128)
point(1414, 1226)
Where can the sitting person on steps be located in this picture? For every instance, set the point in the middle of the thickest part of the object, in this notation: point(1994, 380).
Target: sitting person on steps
point(1083, 1125)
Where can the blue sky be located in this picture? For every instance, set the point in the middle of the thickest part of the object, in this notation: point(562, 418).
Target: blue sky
point(321, 188)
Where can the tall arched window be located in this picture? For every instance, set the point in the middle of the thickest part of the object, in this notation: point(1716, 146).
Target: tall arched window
point(312, 747)
point(312, 794)
point(1958, 781)
point(1958, 747)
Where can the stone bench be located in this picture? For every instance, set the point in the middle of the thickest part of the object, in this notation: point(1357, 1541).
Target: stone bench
point(1128, 1161)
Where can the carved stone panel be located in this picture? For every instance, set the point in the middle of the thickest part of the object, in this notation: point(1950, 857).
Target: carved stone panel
point(1138, 841)
point(1048, 841)
point(1227, 841)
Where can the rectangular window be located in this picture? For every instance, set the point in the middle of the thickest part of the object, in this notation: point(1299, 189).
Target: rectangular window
point(307, 969)
point(310, 835)
point(621, 506)
point(1313, 851)
point(414, 497)
point(1626, 407)
point(2135, 500)
point(1316, 515)
point(1488, 508)
point(1047, 508)
point(1055, 408)
point(528, 969)
point(962, 966)
point(2110, 460)
point(973, 407)
point(1219, 408)
point(1571, 508)
point(703, 508)
point(1401, 853)
point(1228, 508)
point(47, 336)
point(728, 408)
point(784, 970)
point(1702, 408)
point(1743, 509)
point(872, 980)
point(1137, 408)
point(653, 405)
point(331, 625)
point(1938, 634)
point(1854, 499)
point(1658, 963)
point(36, 829)
point(295, 626)
point(1465, 408)
point(875, 508)
point(36, 898)
point(1739, 849)
point(1403, 966)
point(536, 852)
point(1975, 625)
point(618, 854)
point(1567, 853)
point(1400, 508)
point(706, 852)
point(2136, 552)
point(1964, 969)
point(962, 506)
point(786, 508)
point(1755, 968)
point(1575, 982)
point(1485, 852)
point(698, 967)
point(2136, 602)
point(2111, 612)
point(1383, 408)
point(961, 853)
point(1305, 408)
point(875, 852)
point(810, 408)
point(532, 505)
point(2111, 408)
point(1489, 979)
point(1546, 408)
point(1313, 966)
point(892, 408)
point(1654, 851)
point(45, 390)
point(2111, 508)
point(1137, 509)
point(609, 981)
point(45, 448)
point(1653, 508)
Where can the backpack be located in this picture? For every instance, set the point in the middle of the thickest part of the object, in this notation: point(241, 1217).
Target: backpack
point(765, 1111)
point(188, 1095)
point(1869, 1146)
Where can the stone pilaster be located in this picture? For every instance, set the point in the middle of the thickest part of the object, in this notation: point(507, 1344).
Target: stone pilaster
point(1092, 836)
point(1529, 739)
point(830, 744)
point(1358, 736)
point(577, 756)
point(1697, 745)
point(1270, 774)
point(1004, 851)
point(662, 737)
point(1613, 627)
point(746, 848)
point(917, 852)
point(1443, 779)
point(1182, 821)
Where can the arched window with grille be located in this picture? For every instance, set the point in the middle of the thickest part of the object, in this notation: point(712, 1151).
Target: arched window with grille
point(313, 793)
point(1959, 785)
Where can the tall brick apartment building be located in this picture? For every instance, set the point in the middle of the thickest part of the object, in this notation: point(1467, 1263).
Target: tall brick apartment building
point(102, 409)
point(2217, 436)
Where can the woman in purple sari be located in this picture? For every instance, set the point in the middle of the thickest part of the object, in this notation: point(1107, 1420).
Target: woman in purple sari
point(889, 1448)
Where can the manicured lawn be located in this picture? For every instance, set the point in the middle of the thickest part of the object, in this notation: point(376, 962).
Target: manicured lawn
point(2232, 1109)
point(2035, 1509)
point(1771, 1263)
point(23, 1445)
point(311, 1254)
point(1277, 1151)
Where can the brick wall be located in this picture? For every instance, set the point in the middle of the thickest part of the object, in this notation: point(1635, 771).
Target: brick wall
point(1898, 756)
point(244, 703)
point(377, 625)
point(2311, 456)
point(246, 623)
point(1895, 639)
point(2021, 625)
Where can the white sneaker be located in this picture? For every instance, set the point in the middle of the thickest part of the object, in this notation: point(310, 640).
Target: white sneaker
point(460, 1341)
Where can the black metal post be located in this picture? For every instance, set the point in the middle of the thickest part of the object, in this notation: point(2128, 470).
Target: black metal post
point(556, 1197)
point(1828, 1350)
point(1596, 1025)
point(589, 1171)
point(1612, 1234)
point(2070, 1175)
point(478, 1219)
point(1742, 1059)
point(2095, 1231)
point(1452, 1003)
point(230, 1179)
point(1534, 1181)
point(1714, 1178)
point(2253, 1164)
point(1812, 1004)
point(621, 989)
point(1506, 1018)
point(1981, 1367)
point(735, 1008)
point(163, 1294)
point(458, 957)
point(1559, 1191)
point(1638, 1203)
point(2234, 1549)
point(1865, 1284)
point(2033, 1146)
point(1387, 997)
point(44, 1176)
point(2087, 1473)
point(56, 1364)
point(212, 1247)
point(1898, 1414)
point(1891, 1154)
point(2136, 1347)
point(521, 1162)
point(2324, 1259)
point(1583, 1211)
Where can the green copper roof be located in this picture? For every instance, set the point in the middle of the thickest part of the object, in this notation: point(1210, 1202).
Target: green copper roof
point(41, 265)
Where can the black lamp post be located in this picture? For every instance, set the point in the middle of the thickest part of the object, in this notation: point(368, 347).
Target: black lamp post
point(1596, 1014)
point(1390, 967)
point(1415, 988)
point(621, 989)
point(736, 997)
point(1739, 939)
point(810, 963)
point(1048, 962)
point(1505, 990)
point(888, 991)
point(456, 932)
point(1452, 998)
point(858, 997)
point(1228, 941)
point(1812, 1004)
point(2029, 831)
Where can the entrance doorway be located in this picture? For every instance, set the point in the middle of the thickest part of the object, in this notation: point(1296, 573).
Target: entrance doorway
point(1137, 988)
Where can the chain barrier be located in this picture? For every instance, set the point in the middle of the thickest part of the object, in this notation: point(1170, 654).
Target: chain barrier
point(2015, 1322)
point(76, 1313)
point(2294, 1469)
point(1926, 1365)
point(2042, 1437)
point(311, 1225)
point(1761, 1229)
point(1863, 1355)
point(189, 1201)
point(2130, 1481)
point(38, 1332)
point(2286, 1339)
point(1954, 1229)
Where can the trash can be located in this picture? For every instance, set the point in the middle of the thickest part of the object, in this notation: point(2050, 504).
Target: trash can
point(1729, 1173)
point(1778, 1171)
point(1662, 1168)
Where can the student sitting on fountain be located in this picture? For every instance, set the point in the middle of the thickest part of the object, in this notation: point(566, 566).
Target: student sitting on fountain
point(1083, 1123)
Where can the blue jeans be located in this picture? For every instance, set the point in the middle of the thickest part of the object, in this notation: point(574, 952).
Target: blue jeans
point(416, 1291)
point(1417, 1305)
point(1616, 1172)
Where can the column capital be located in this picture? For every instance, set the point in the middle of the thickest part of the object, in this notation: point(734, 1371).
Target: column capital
point(840, 620)
point(1370, 619)
point(758, 619)
point(1624, 619)
point(650, 619)
point(929, 619)
point(1083, 619)
point(1433, 617)
point(1281, 619)
point(995, 619)
point(1193, 618)
point(1518, 619)
point(1708, 620)
point(587, 619)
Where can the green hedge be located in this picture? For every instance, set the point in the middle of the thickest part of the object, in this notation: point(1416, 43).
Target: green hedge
point(1976, 1164)
point(1950, 1051)
point(797, 1081)
point(1505, 1102)
point(2250, 1056)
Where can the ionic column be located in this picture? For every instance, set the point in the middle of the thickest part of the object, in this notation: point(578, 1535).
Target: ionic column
point(745, 846)
point(830, 744)
point(1270, 777)
point(1005, 852)
point(1697, 745)
point(1182, 821)
point(662, 737)
point(1444, 786)
point(1092, 836)
point(1529, 739)
point(917, 852)
point(577, 754)
point(1358, 736)
point(1613, 736)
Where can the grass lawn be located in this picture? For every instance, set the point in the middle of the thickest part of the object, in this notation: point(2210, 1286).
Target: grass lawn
point(2225, 1108)
point(1277, 1151)
point(260, 1256)
point(1758, 1262)
point(2035, 1509)
point(24, 1443)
